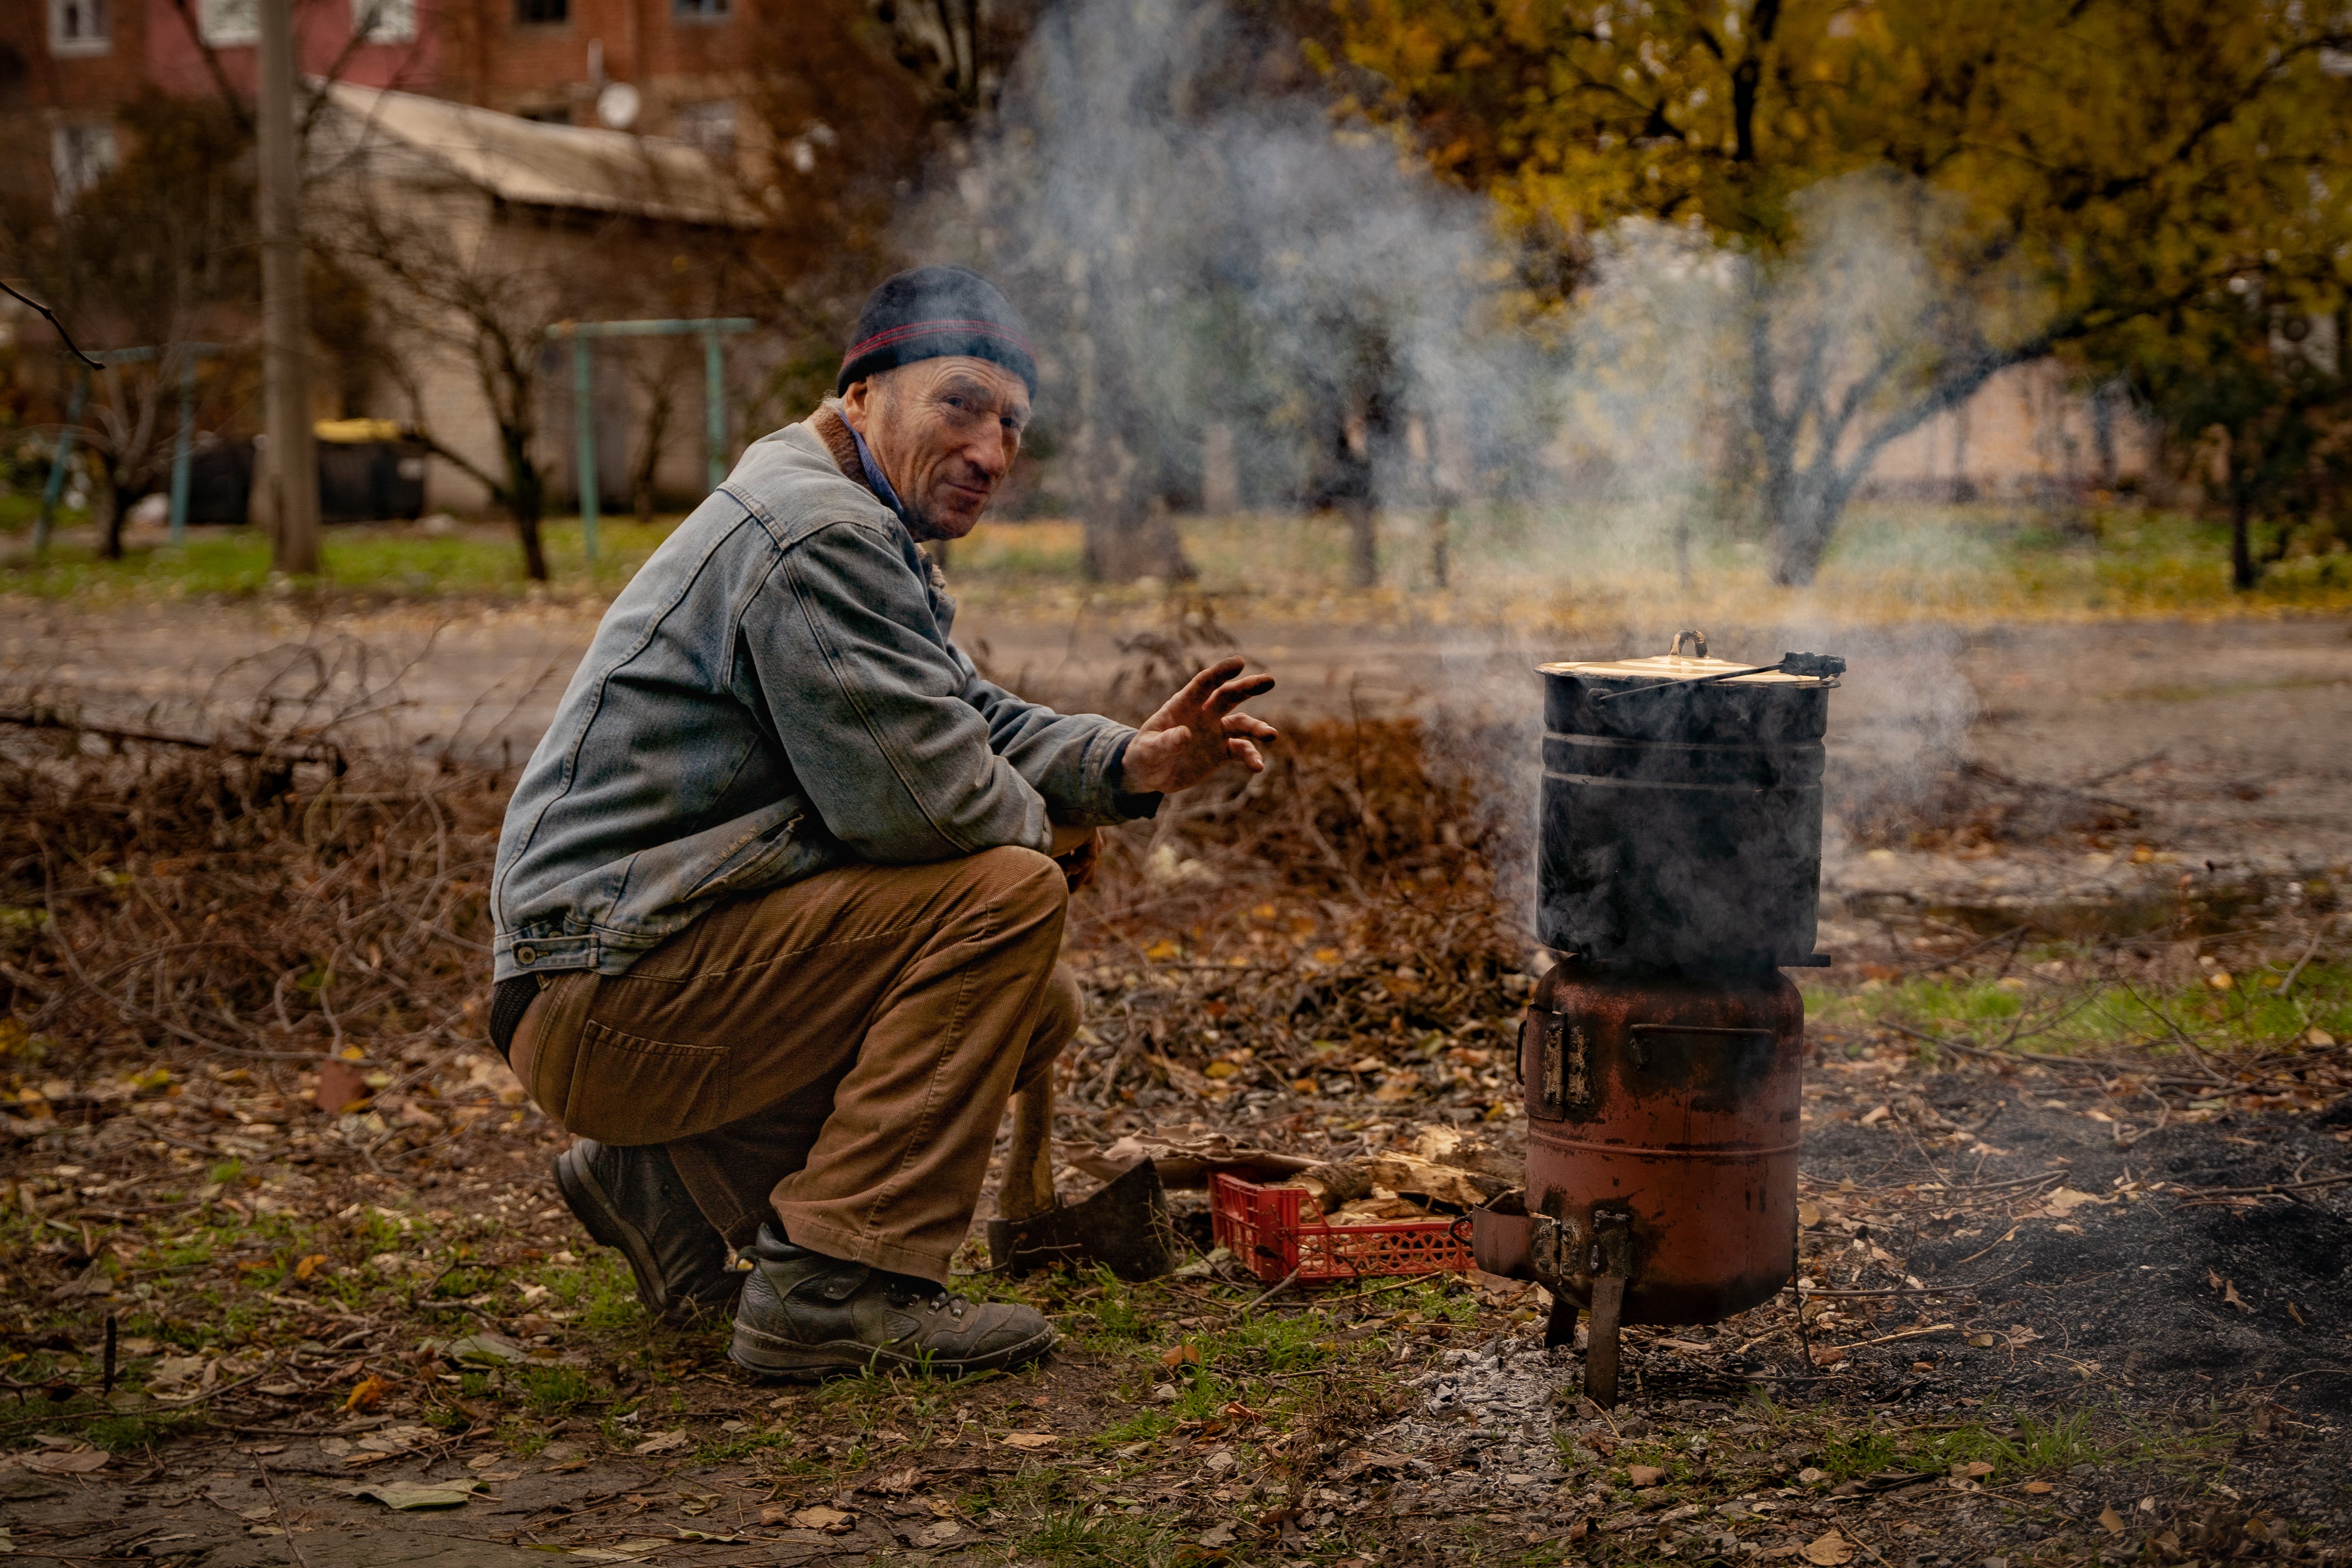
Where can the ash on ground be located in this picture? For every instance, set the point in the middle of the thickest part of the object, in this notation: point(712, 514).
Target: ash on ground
point(1486, 1417)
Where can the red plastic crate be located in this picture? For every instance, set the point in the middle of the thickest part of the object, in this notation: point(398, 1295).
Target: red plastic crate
point(1260, 1225)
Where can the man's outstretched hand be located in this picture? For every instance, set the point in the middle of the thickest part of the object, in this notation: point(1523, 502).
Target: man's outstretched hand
point(1196, 732)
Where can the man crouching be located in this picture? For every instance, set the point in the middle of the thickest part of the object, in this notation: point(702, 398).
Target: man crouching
point(778, 933)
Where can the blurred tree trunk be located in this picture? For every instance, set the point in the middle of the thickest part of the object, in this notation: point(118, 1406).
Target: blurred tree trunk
point(660, 405)
point(1128, 531)
point(1363, 541)
point(525, 493)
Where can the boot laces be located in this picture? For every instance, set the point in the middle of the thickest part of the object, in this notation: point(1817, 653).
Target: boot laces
point(908, 1293)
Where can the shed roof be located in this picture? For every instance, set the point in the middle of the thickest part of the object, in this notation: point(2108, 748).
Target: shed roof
point(539, 164)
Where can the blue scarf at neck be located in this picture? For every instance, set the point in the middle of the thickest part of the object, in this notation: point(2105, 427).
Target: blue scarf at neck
point(876, 480)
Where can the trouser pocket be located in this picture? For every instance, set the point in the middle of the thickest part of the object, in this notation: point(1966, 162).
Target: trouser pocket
point(626, 1089)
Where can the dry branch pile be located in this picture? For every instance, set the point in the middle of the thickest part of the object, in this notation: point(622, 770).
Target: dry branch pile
point(243, 905)
point(283, 897)
point(1343, 921)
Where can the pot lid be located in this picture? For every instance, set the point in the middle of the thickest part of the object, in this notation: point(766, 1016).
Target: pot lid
point(1675, 667)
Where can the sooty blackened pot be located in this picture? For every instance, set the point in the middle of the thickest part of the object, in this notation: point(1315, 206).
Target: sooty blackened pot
point(1681, 826)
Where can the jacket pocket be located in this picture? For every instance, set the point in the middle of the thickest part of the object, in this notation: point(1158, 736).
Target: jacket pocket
point(626, 1089)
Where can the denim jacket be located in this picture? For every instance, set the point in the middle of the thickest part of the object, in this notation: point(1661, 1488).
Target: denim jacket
point(774, 694)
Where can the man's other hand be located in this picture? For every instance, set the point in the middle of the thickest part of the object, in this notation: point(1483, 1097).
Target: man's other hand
point(1196, 732)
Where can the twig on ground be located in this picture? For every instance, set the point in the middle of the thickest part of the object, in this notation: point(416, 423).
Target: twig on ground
point(2274, 1186)
point(1270, 1293)
point(285, 1524)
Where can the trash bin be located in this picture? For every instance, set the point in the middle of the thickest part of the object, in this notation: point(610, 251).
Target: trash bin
point(220, 479)
point(369, 470)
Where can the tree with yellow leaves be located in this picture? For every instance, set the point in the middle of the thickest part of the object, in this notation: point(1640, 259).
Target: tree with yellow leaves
point(2067, 168)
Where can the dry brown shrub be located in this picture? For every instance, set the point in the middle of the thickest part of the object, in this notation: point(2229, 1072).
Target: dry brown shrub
point(1349, 898)
point(283, 898)
point(273, 900)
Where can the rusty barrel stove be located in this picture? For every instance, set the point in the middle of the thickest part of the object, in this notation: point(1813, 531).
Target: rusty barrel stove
point(1680, 873)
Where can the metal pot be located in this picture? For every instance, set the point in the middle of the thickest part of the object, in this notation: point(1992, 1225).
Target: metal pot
point(1682, 822)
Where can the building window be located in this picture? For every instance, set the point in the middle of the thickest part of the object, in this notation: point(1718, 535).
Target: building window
point(537, 12)
point(711, 127)
point(700, 10)
point(78, 28)
point(228, 23)
point(385, 21)
point(80, 156)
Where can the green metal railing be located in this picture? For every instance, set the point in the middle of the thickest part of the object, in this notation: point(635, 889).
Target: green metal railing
point(182, 444)
point(583, 397)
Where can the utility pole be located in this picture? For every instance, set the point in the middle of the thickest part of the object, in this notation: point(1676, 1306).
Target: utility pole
point(293, 464)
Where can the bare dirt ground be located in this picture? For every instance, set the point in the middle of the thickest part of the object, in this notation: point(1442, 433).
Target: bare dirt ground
point(2222, 740)
point(2073, 1283)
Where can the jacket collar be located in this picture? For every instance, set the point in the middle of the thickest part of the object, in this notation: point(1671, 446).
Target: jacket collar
point(856, 460)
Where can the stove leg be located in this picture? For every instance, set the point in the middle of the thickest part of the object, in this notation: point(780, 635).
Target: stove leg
point(1601, 1349)
point(1562, 1327)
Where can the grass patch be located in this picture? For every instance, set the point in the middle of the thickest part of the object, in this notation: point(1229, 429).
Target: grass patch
point(1889, 562)
point(554, 1390)
point(599, 1289)
point(386, 558)
point(2098, 1015)
point(1850, 1456)
point(1072, 1538)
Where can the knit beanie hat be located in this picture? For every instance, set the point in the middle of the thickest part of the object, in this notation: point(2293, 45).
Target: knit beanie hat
point(934, 312)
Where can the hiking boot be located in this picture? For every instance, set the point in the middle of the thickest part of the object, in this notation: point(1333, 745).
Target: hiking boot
point(804, 1316)
point(632, 1200)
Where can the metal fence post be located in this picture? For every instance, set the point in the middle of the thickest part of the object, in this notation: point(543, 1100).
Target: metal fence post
point(714, 398)
point(57, 485)
point(182, 454)
point(585, 411)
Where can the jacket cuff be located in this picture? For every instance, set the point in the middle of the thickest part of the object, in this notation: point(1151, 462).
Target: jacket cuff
point(1130, 808)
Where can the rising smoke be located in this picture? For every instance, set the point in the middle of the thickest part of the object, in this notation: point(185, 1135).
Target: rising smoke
point(1202, 250)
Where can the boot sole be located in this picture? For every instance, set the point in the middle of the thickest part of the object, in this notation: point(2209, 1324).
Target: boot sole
point(595, 1208)
point(780, 1361)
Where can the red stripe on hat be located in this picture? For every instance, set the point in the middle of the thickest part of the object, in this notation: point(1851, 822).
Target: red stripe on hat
point(920, 329)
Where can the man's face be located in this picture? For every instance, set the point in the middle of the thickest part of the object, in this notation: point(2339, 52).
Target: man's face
point(944, 432)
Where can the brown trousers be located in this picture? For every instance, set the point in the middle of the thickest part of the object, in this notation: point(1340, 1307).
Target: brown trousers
point(836, 1054)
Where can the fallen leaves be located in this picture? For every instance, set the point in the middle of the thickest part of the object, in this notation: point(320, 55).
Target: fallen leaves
point(662, 1443)
point(2110, 1520)
point(2067, 1201)
point(816, 1517)
point(1030, 1439)
point(406, 1496)
point(626, 1552)
point(894, 1483)
point(485, 1350)
point(367, 1394)
point(1828, 1549)
point(70, 1462)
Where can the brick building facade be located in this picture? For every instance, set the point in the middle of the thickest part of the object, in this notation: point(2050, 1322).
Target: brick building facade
point(662, 68)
